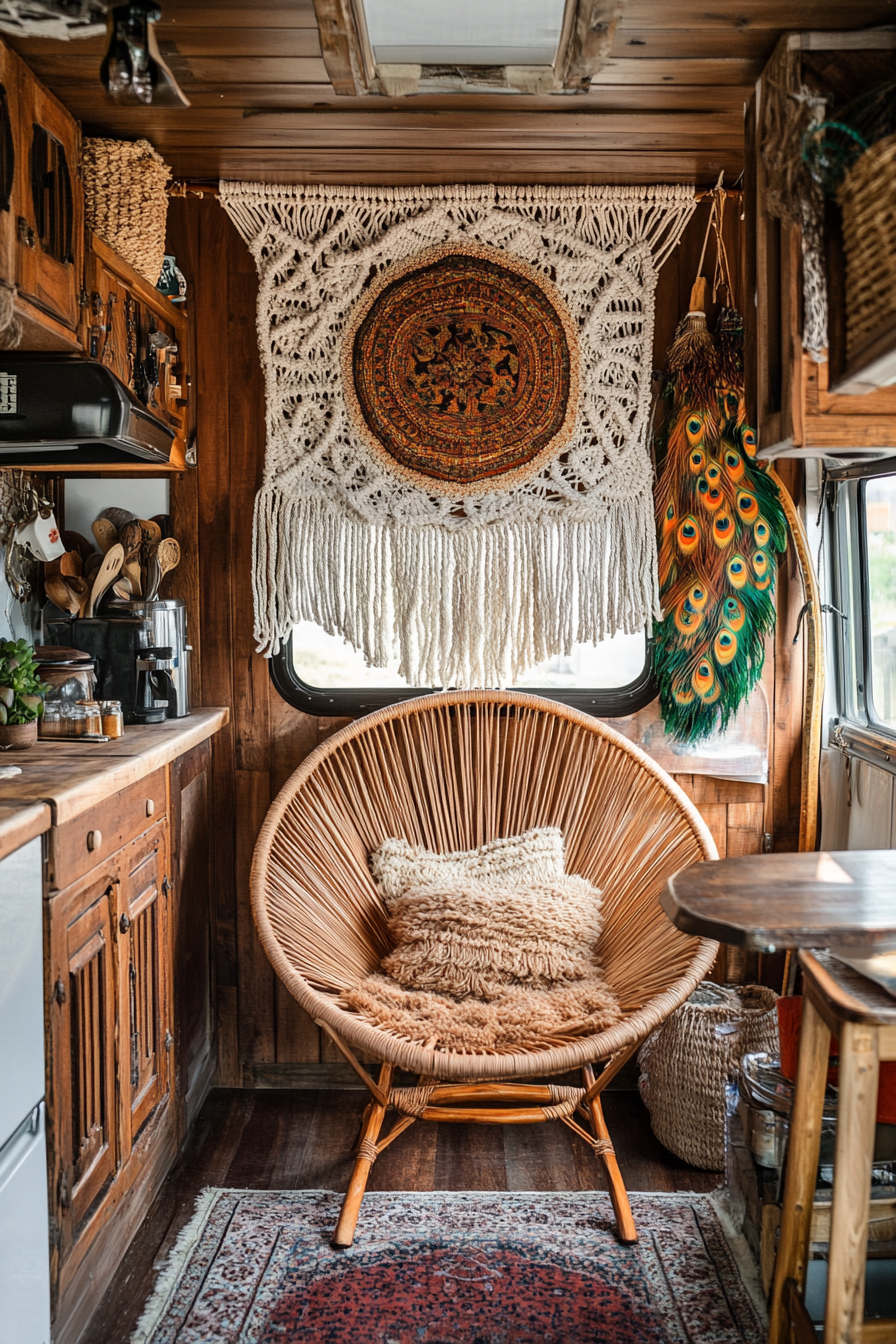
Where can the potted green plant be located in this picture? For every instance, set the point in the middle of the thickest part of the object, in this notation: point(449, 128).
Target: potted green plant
point(21, 695)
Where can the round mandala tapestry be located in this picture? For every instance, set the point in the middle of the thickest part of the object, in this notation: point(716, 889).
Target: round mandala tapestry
point(460, 369)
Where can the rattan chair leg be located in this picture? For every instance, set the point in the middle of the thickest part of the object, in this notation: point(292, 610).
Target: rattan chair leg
point(625, 1223)
point(351, 1205)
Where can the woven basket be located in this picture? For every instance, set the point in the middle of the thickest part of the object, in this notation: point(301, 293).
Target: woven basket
point(867, 197)
point(125, 200)
point(687, 1062)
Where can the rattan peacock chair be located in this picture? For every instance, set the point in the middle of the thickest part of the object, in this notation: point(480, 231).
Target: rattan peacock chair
point(451, 772)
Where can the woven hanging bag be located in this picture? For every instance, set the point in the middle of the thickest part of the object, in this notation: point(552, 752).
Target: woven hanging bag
point(867, 198)
point(125, 200)
point(687, 1062)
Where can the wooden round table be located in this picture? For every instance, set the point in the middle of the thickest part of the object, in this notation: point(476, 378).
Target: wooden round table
point(847, 901)
point(769, 902)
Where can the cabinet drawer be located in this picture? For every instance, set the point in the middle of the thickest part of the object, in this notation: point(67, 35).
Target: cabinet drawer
point(79, 845)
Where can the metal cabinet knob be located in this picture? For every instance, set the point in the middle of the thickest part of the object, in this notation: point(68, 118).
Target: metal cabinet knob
point(94, 839)
point(124, 923)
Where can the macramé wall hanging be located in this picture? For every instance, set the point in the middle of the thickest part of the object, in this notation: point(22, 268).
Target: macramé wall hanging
point(458, 402)
point(720, 520)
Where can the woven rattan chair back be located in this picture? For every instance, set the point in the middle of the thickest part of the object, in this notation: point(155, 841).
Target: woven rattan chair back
point(450, 772)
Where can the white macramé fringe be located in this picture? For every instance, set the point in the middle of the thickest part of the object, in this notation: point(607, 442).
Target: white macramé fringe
point(427, 595)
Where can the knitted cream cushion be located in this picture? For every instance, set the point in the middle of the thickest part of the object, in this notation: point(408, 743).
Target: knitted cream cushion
point(495, 948)
point(468, 937)
point(534, 857)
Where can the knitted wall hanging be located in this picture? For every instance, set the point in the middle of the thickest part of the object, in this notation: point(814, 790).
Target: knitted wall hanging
point(458, 398)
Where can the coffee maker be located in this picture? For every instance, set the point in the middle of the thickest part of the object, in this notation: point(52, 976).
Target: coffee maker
point(151, 632)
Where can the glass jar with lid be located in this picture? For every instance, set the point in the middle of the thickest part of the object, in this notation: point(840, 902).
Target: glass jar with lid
point(93, 717)
point(113, 719)
point(75, 721)
point(51, 724)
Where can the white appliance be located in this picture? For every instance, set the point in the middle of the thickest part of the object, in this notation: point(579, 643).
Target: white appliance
point(24, 1219)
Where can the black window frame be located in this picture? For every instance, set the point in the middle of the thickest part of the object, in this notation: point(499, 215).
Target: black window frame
point(604, 703)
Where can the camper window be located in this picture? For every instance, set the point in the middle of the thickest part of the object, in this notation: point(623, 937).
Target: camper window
point(863, 610)
point(323, 674)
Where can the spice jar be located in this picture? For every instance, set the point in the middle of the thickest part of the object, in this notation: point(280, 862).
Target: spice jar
point(51, 721)
point(113, 719)
point(93, 718)
point(75, 721)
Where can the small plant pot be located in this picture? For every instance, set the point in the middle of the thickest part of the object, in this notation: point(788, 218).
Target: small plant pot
point(17, 736)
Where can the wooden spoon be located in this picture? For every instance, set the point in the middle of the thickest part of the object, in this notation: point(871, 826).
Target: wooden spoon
point(73, 541)
point(106, 534)
point(118, 517)
point(153, 572)
point(106, 574)
point(151, 531)
point(131, 538)
point(94, 560)
point(167, 557)
point(80, 591)
point(68, 566)
point(61, 595)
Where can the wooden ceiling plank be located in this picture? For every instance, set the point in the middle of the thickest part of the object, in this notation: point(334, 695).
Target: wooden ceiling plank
point(290, 165)
point(781, 15)
point(266, 70)
point(182, 41)
point(244, 70)
point(89, 104)
point(648, 71)
point(169, 142)
point(460, 124)
point(269, 13)
point(240, 41)
point(752, 44)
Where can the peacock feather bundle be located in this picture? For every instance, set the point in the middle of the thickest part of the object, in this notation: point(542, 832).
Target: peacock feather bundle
point(720, 524)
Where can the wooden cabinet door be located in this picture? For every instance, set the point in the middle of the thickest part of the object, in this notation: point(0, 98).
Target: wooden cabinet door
point(143, 980)
point(81, 1055)
point(49, 247)
point(8, 132)
point(195, 1055)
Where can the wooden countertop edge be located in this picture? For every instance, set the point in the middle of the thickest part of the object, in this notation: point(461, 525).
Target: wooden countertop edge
point(126, 770)
point(104, 777)
point(21, 822)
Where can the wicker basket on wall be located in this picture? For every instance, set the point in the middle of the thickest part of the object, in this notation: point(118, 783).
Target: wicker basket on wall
point(687, 1062)
point(867, 198)
point(125, 200)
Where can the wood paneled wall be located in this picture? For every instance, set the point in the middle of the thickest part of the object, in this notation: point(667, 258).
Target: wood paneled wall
point(262, 1033)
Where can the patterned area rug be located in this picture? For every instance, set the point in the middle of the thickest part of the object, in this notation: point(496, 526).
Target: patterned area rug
point(256, 1267)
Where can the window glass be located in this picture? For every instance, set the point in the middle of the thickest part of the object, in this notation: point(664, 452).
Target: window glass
point(880, 532)
point(328, 662)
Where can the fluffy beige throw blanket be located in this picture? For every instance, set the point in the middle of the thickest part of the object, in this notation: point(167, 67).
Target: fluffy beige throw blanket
point(484, 959)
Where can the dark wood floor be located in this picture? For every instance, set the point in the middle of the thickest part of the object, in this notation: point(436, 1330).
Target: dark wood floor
point(277, 1140)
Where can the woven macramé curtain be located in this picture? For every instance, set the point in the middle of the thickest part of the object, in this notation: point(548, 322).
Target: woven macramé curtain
point(471, 587)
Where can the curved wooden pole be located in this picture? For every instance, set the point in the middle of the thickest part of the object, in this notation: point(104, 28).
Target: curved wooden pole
point(813, 696)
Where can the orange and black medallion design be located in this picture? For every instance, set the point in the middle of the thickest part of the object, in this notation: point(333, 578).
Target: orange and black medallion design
point(461, 369)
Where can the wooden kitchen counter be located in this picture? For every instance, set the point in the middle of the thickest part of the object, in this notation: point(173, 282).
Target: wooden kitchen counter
point(72, 776)
point(21, 822)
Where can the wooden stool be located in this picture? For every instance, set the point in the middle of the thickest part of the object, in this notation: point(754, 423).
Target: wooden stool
point(838, 1001)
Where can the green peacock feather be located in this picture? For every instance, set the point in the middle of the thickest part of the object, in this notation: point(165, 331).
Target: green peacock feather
point(720, 526)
